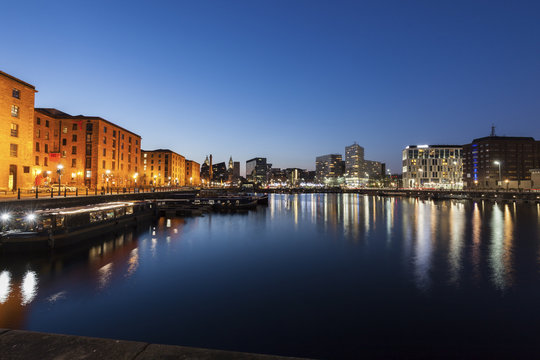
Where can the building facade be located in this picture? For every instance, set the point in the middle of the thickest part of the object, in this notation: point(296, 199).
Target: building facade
point(193, 173)
point(354, 164)
point(492, 161)
point(163, 167)
point(374, 169)
point(329, 169)
point(84, 150)
point(257, 170)
point(17, 98)
point(433, 166)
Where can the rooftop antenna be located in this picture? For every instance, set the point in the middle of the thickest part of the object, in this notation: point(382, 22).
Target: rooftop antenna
point(492, 130)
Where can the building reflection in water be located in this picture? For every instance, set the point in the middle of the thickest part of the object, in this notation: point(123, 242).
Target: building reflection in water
point(476, 239)
point(47, 280)
point(457, 237)
point(423, 243)
point(501, 246)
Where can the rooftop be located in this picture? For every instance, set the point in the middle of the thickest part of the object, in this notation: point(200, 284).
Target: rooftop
point(17, 80)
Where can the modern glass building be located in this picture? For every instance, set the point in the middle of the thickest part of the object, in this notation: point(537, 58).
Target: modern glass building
point(433, 166)
point(329, 169)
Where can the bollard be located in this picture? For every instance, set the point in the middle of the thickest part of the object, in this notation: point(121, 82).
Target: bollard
point(52, 193)
point(37, 192)
point(65, 191)
point(19, 193)
point(76, 191)
point(96, 190)
point(86, 191)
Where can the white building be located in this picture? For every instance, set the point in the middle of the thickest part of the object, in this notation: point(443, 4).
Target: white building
point(433, 166)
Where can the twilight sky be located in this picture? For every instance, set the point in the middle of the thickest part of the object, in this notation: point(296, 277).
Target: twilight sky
point(289, 80)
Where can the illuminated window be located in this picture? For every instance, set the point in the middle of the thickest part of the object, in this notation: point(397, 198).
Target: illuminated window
point(14, 130)
point(16, 93)
point(14, 111)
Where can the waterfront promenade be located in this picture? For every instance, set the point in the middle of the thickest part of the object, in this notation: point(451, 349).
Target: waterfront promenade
point(54, 346)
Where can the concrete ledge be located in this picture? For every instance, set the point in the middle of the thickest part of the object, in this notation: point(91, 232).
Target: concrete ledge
point(19, 345)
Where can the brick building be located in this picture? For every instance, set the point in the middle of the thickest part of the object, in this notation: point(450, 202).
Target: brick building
point(92, 151)
point(16, 128)
point(163, 167)
point(193, 173)
point(494, 161)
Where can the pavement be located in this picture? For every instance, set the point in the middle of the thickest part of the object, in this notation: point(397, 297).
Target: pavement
point(20, 344)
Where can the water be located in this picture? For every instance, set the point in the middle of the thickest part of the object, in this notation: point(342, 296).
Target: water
point(315, 275)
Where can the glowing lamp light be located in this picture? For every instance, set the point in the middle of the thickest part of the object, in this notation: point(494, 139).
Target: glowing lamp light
point(31, 217)
point(5, 216)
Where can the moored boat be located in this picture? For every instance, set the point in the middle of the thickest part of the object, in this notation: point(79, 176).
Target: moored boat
point(54, 228)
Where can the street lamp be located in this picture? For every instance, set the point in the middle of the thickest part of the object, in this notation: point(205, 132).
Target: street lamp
point(59, 171)
point(497, 162)
point(107, 173)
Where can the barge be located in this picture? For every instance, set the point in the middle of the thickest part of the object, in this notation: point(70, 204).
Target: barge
point(54, 228)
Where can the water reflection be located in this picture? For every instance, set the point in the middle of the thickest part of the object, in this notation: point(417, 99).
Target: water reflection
point(501, 246)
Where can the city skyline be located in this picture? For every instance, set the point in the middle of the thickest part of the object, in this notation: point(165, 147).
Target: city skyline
point(285, 81)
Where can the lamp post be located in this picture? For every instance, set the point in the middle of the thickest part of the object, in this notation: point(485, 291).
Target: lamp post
point(107, 174)
point(59, 172)
point(497, 162)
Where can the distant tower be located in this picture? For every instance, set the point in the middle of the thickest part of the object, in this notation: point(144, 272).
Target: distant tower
point(211, 172)
point(206, 161)
point(231, 164)
point(493, 130)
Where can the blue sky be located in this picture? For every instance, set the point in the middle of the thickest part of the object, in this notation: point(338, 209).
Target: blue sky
point(289, 80)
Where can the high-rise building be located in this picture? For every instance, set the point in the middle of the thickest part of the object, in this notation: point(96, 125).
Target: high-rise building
point(329, 169)
point(491, 161)
point(354, 159)
point(91, 151)
point(163, 167)
point(17, 169)
point(374, 169)
point(432, 166)
point(236, 170)
point(219, 173)
point(193, 169)
point(257, 170)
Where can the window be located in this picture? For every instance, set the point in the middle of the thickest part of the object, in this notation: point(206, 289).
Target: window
point(46, 161)
point(26, 169)
point(38, 121)
point(16, 93)
point(47, 148)
point(46, 123)
point(104, 152)
point(136, 142)
point(114, 143)
point(122, 136)
point(136, 150)
point(38, 133)
point(74, 150)
point(55, 132)
point(14, 111)
point(104, 140)
point(122, 156)
point(103, 164)
point(113, 165)
point(64, 142)
point(113, 154)
point(37, 147)
point(47, 135)
point(73, 163)
point(104, 129)
point(88, 149)
point(37, 160)
point(74, 127)
point(64, 129)
point(88, 163)
point(114, 133)
point(129, 139)
point(63, 153)
point(88, 173)
point(14, 130)
point(74, 138)
point(129, 148)
point(13, 149)
point(88, 138)
point(89, 127)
